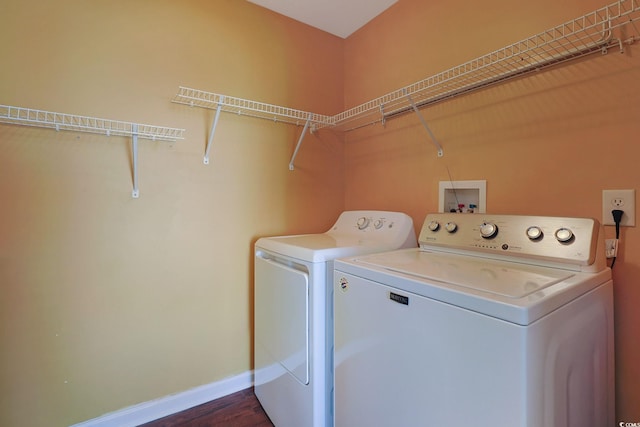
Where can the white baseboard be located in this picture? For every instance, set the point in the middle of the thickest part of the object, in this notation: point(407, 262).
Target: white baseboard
point(158, 408)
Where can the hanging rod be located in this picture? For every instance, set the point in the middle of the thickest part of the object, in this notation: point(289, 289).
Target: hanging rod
point(61, 121)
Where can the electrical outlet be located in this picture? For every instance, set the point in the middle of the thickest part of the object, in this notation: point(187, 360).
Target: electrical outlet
point(625, 200)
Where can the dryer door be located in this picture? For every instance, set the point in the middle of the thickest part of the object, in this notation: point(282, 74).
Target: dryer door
point(282, 317)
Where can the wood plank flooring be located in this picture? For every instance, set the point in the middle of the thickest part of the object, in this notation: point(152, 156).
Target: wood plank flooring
point(241, 409)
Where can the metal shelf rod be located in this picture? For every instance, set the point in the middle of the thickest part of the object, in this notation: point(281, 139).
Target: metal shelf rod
point(213, 131)
point(134, 148)
point(426, 126)
point(295, 152)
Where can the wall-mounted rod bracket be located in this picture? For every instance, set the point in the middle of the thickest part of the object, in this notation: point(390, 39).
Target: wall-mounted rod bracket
point(295, 152)
point(213, 130)
point(134, 158)
point(426, 126)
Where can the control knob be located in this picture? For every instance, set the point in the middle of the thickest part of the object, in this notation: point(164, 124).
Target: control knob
point(362, 223)
point(563, 235)
point(534, 233)
point(433, 226)
point(378, 224)
point(488, 230)
point(451, 227)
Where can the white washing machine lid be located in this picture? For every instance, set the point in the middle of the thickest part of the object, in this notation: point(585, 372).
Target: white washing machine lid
point(321, 247)
point(518, 293)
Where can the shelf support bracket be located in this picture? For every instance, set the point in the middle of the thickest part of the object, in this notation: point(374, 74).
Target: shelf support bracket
point(213, 130)
point(295, 152)
point(424, 123)
point(134, 158)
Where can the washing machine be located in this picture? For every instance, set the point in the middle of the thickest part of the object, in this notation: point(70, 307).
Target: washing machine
point(495, 320)
point(293, 311)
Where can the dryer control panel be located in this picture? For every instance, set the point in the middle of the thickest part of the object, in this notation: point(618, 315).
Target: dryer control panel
point(534, 239)
point(376, 225)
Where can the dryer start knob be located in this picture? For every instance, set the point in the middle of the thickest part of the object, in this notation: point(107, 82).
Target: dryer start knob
point(363, 222)
point(433, 225)
point(451, 227)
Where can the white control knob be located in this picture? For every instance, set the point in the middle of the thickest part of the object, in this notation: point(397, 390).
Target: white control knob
point(362, 223)
point(488, 230)
point(563, 235)
point(378, 224)
point(534, 233)
point(433, 226)
point(451, 227)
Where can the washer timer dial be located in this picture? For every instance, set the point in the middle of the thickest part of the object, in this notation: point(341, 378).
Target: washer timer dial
point(488, 230)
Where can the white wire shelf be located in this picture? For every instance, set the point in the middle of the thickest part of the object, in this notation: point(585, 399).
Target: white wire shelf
point(593, 32)
point(60, 121)
point(245, 107)
point(612, 26)
point(229, 104)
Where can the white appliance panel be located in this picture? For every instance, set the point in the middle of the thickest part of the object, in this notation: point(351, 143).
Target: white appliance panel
point(283, 317)
point(403, 359)
point(400, 364)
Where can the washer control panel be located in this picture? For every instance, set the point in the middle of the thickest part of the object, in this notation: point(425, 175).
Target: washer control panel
point(558, 239)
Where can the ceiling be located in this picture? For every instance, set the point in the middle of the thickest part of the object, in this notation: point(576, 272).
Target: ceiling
point(338, 17)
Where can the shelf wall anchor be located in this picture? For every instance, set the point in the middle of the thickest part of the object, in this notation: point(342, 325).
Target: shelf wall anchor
point(213, 130)
point(424, 123)
point(134, 157)
point(295, 152)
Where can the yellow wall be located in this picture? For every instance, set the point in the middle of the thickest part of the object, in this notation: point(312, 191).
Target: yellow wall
point(547, 144)
point(108, 301)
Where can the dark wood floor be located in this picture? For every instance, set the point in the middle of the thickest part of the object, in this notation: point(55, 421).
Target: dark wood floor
point(240, 409)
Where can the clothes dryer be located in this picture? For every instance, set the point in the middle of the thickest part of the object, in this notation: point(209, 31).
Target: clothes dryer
point(495, 320)
point(293, 311)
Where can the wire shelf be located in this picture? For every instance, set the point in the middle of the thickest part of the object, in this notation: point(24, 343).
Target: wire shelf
point(229, 104)
point(593, 32)
point(61, 121)
point(615, 25)
point(588, 34)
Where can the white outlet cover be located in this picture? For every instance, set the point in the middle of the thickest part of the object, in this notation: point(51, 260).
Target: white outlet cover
point(625, 200)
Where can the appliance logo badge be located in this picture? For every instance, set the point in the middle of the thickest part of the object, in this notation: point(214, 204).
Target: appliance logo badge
point(400, 299)
point(344, 284)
